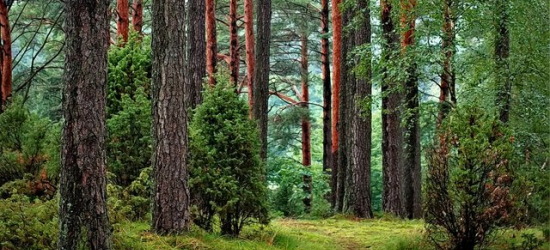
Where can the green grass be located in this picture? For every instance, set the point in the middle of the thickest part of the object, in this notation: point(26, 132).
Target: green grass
point(330, 234)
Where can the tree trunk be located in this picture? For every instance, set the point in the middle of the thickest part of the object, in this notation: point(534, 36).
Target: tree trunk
point(197, 49)
point(412, 169)
point(170, 192)
point(362, 125)
point(123, 20)
point(325, 68)
point(5, 57)
point(306, 125)
point(261, 76)
point(137, 17)
point(83, 195)
point(249, 44)
point(392, 197)
point(502, 70)
point(211, 41)
point(336, 67)
point(447, 95)
point(233, 43)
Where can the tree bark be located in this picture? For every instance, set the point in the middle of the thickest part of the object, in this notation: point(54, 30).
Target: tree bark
point(123, 20)
point(196, 51)
point(502, 52)
point(325, 68)
point(211, 41)
point(170, 139)
point(249, 44)
point(83, 202)
point(306, 125)
point(447, 95)
point(362, 125)
point(336, 74)
point(392, 140)
point(261, 75)
point(137, 16)
point(233, 43)
point(412, 168)
point(6, 56)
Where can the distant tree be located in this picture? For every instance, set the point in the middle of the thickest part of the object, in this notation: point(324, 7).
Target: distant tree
point(211, 41)
point(325, 68)
point(447, 96)
point(502, 52)
point(137, 16)
point(122, 20)
point(82, 205)
point(336, 74)
point(234, 61)
point(5, 55)
point(249, 46)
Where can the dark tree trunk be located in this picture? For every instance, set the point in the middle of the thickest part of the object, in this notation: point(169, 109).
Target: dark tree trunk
point(502, 52)
point(196, 51)
point(211, 41)
point(336, 72)
point(306, 125)
point(412, 169)
point(362, 125)
point(325, 68)
point(261, 75)
point(5, 56)
point(83, 202)
point(392, 165)
point(123, 20)
point(447, 94)
point(249, 44)
point(234, 61)
point(137, 17)
point(170, 192)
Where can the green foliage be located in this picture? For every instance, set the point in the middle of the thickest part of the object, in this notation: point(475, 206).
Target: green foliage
point(469, 179)
point(132, 202)
point(227, 177)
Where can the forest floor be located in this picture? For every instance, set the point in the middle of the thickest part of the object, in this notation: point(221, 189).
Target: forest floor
point(303, 234)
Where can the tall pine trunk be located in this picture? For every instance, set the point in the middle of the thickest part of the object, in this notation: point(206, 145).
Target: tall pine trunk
point(123, 20)
point(306, 125)
point(412, 169)
point(261, 75)
point(211, 41)
point(233, 43)
point(196, 51)
point(362, 124)
point(170, 139)
point(502, 52)
point(325, 68)
point(249, 44)
point(5, 56)
point(392, 140)
point(137, 16)
point(447, 93)
point(82, 188)
point(336, 73)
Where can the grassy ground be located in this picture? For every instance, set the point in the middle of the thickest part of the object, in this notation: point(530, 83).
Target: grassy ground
point(330, 234)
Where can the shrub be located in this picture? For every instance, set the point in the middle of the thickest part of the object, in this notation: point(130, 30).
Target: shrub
point(468, 180)
point(227, 177)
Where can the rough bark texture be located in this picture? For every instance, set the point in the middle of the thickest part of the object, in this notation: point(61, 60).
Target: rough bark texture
point(325, 68)
point(5, 56)
point(83, 196)
point(123, 20)
point(137, 16)
point(211, 41)
point(249, 44)
point(196, 50)
point(336, 73)
point(306, 125)
point(502, 52)
point(170, 192)
point(362, 125)
point(261, 75)
point(447, 95)
point(234, 61)
point(411, 137)
point(392, 165)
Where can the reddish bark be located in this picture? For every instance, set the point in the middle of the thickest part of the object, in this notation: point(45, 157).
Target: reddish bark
point(123, 20)
point(325, 68)
point(211, 41)
point(249, 44)
point(336, 71)
point(233, 43)
point(137, 17)
point(306, 125)
point(6, 62)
